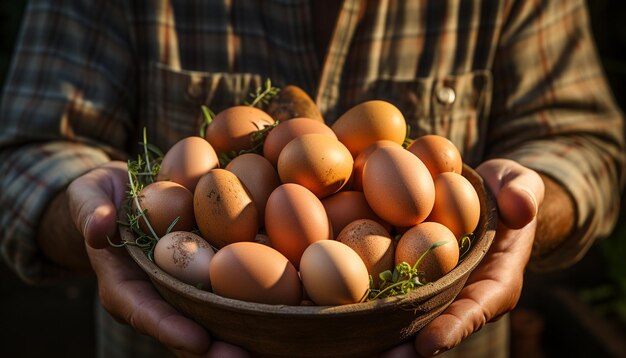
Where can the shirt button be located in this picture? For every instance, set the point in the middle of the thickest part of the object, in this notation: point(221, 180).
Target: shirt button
point(446, 95)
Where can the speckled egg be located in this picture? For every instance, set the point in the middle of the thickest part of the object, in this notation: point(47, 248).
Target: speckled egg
point(224, 210)
point(185, 256)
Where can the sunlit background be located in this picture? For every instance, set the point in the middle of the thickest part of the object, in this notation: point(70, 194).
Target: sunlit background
point(587, 300)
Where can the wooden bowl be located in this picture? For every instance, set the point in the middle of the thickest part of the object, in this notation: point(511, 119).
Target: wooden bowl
point(355, 330)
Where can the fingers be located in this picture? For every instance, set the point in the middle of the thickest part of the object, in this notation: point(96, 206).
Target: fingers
point(519, 191)
point(94, 199)
point(218, 350)
point(226, 350)
point(405, 350)
point(463, 317)
point(127, 294)
point(153, 316)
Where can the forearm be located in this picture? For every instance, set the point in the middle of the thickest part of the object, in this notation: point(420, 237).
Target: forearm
point(58, 238)
point(555, 219)
point(540, 119)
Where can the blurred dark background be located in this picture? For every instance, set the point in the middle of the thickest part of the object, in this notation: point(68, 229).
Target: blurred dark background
point(578, 312)
point(42, 321)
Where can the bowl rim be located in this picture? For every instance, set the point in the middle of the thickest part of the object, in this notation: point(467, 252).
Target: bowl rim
point(488, 219)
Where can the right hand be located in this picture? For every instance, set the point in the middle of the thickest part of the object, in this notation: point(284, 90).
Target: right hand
point(124, 289)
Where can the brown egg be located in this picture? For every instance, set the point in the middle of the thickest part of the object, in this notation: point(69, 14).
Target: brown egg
point(224, 209)
point(333, 274)
point(232, 128)
point(293, 102)
point(398, 187)
point(372, 242)
point(284, 132)
point(346, 206)
point(438, 153)
point(258, 176)
point(457, 205)
point(369, 122)
point(187, 160)
point(316, 161)
point(295, 218)
point(253, 272)
point(359, 161)
point(439, 260)
point(186, 256)
point(164, 201)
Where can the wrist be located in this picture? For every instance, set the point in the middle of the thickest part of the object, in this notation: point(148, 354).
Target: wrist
point(555, 219)
point(59, 240)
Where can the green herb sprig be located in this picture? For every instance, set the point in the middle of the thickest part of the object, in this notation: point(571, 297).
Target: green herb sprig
point(208, 116)
point(402, 280)
point(142, 172)
point(465, 243)
point(263, 95)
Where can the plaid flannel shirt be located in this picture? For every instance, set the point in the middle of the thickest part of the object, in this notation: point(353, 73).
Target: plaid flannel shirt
point(508, 78)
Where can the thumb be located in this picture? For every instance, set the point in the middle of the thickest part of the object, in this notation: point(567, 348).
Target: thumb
point(94, 199)
point(519, 191)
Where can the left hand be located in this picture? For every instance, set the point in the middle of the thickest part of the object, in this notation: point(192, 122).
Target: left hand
point(494, 287)
point(123, 288)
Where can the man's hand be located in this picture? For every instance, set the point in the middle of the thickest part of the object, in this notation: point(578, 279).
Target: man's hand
point(494, 287)
point(124, 289)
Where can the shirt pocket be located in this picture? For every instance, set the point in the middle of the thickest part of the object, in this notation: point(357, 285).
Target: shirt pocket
point(173, 99)
point(454, 106)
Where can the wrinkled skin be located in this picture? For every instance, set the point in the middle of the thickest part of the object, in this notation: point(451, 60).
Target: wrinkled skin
point(492, 290)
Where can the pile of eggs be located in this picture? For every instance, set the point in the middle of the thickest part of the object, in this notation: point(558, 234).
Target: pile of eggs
point(316, 215)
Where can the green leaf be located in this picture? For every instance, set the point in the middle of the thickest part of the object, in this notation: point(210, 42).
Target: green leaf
point(386, 276)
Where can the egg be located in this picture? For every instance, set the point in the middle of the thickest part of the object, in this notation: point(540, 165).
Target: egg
point(398, 186)
point(295, 218)
point(293, 102)
point(318, 162)
point(345, 207)
point(359, 161)
point(333, 274)
point(186, 256)
point(187, 160)
point(369, 122)
point(457, 205)
point(285, 131)
point(224, 210)
point(254, 272)
point(258, 176)
point(231, 129)
point(436, 262)
point(438, 153)
point(164, 202)
point(371, 241)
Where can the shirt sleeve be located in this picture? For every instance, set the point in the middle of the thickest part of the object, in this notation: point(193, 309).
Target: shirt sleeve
point(66, 108)
point(553, 112)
